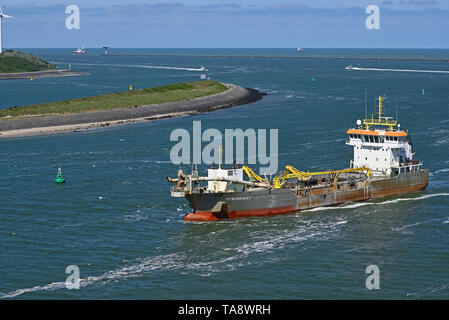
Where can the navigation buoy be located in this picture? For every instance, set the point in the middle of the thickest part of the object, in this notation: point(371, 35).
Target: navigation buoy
point(313, 79)
point(60, 177)
point(423, 92)
point(31, 78)
point(131, 87)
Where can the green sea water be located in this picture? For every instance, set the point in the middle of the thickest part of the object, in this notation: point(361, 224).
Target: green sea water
point(114, 217)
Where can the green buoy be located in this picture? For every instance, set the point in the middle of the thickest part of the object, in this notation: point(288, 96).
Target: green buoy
point(423, 92)
point(313, 79)
point(60, 177)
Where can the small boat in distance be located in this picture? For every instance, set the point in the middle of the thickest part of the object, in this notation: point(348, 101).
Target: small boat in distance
point(80, 51)
point(350, 67)
point(300, 49)
point(203, 68)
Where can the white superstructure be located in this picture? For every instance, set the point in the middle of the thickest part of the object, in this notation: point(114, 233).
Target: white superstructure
point(221, 186)
point(381, 146)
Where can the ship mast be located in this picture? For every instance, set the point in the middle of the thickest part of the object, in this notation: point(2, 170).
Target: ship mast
point(381, 121)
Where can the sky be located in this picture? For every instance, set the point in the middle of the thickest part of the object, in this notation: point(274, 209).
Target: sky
point(226, 24)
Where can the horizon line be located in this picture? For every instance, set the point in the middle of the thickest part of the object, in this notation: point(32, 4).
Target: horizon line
point(112, 47)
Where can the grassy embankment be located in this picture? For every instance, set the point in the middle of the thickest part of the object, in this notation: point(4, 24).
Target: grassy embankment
point(17, 61)
point(170, 93)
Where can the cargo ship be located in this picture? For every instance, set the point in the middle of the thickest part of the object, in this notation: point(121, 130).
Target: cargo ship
point(383, 165)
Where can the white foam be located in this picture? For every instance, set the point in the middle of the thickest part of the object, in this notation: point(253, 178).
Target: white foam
point(349, 206)
point(136, 217)
point(320, 231)
point(165, 261)
point(407, 226)
point(51, 286)
point(178, 261)
point(361, 204)
point(140, 66)
point(400, 70)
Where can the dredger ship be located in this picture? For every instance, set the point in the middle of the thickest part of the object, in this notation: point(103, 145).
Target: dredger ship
point(383, 165)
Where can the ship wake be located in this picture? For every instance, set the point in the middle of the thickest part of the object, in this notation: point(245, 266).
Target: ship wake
point(399, 70)
point(362, 204)
point(233, 257)
point(141, 66)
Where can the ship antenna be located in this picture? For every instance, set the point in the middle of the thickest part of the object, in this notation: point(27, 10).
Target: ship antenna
point(366, 103)
point(396, 109)
point(220, 150)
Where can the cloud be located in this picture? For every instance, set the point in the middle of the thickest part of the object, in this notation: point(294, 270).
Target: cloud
point(420, 2)
point(154, 9)
point(34, 9)
point(224, 25)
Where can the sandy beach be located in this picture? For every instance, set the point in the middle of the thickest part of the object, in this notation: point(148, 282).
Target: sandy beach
point(32, 126)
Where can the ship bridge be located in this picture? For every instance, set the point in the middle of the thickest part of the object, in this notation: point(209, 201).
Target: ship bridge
point(380, 144)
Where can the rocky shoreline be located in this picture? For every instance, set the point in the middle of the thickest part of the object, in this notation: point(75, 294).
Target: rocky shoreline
point(40, 74)
point(30, 126)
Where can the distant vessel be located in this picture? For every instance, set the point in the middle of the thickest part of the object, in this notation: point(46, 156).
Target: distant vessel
point(350, 67)
point(80, 51)
point(203, 68)
point(300, 49)
point(383, 165)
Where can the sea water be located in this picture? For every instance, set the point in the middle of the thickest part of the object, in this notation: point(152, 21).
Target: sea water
point(115, 220)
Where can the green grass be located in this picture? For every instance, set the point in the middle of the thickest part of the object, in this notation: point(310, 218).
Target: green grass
point(17, 61)
point(155, 95)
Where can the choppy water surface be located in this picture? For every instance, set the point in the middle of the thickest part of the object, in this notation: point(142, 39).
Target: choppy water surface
point(114, 217)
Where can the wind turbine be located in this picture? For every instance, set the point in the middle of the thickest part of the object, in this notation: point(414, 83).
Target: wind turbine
point(2, 15)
